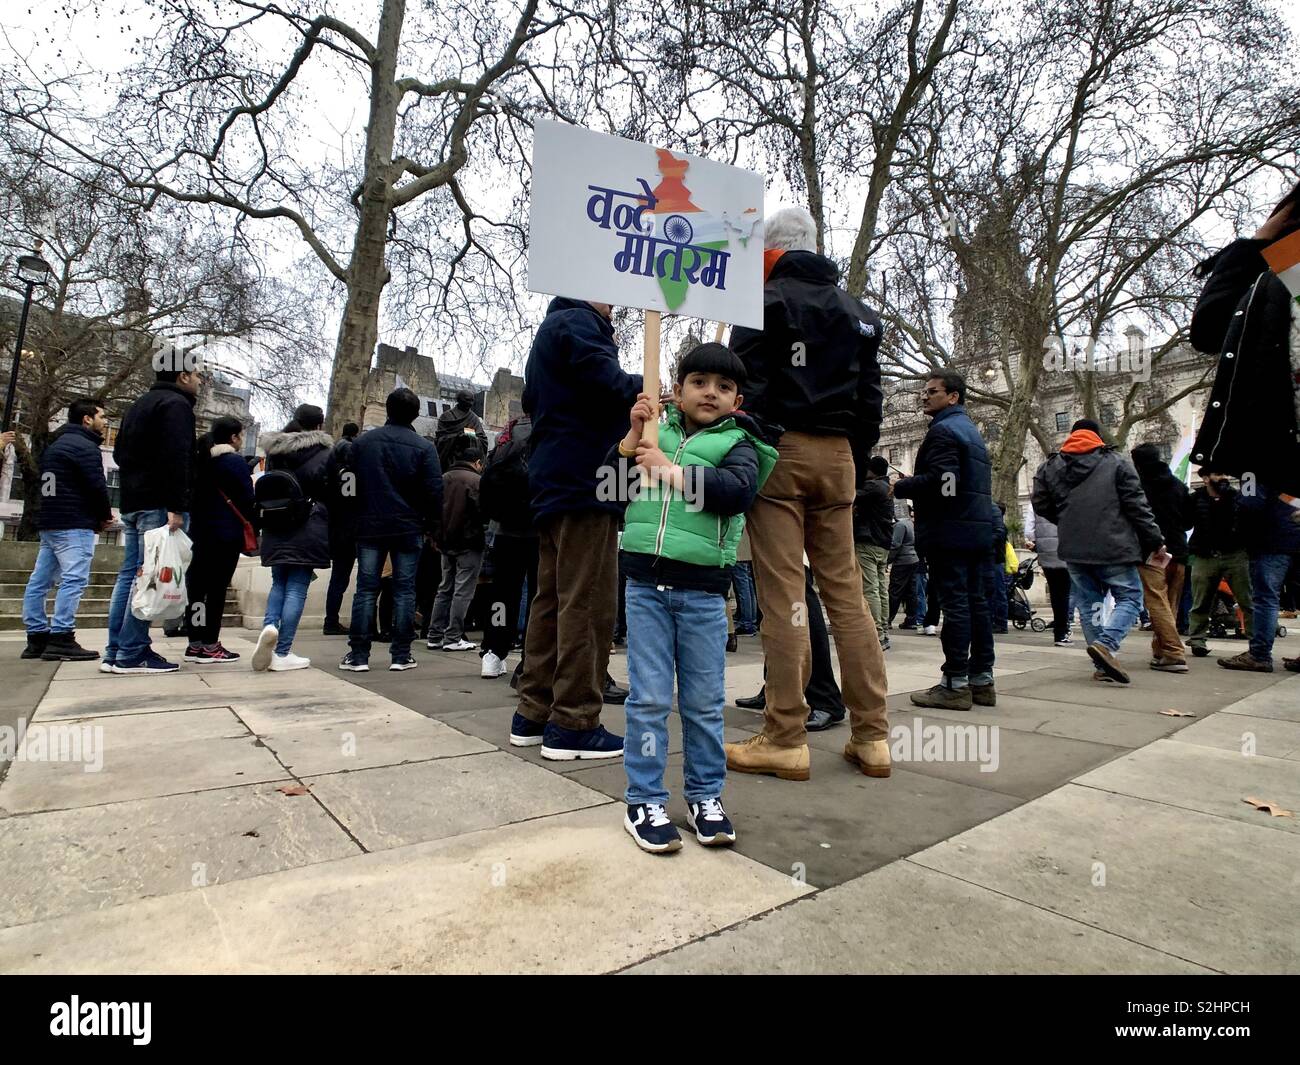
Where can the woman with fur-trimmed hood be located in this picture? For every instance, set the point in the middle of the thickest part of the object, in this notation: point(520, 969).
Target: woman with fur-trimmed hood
point(294, 551)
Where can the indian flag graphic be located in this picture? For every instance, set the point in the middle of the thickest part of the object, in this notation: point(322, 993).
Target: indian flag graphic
point(1283, 258)
point(679, 220)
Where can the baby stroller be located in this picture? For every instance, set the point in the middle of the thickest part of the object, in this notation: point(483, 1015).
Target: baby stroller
point(1019, 612)
point(1226, 619)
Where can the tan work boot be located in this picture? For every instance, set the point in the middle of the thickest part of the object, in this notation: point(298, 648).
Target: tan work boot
point(871, 756)
point(760, 755)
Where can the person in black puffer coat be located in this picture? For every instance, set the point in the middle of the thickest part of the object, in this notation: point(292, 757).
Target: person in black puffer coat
point(303, 449)
point(222, 502)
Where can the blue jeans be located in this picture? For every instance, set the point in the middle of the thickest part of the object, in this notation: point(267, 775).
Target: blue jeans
point(405, 553)
point(685, 629)
point(1267, 574)
point(64, 556)
point(285, 603)
point(742, 579)
point(921, 581)
point(997, 594)
point(128, 636)
point(1091, 583)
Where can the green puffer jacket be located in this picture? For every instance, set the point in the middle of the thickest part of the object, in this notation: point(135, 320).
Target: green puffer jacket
point(670, 524)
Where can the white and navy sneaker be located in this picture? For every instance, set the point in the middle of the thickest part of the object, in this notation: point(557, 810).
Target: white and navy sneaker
point(648, 824)
point(525, 733)
point(568, 745)
point(354, 663)
point(406, 661)
point(711, 824)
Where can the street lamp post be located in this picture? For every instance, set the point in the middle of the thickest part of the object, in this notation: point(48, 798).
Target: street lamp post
point(32, 271)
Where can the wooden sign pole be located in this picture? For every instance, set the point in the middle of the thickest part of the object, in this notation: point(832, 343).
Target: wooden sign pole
point(650, 372)
point(717, 335)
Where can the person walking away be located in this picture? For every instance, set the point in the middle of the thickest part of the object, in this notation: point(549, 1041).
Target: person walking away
point(295, 531)
point(1217, 552)
point(829, 402)
point(154, 452)
point(903, 565)
point(503, 498)
point(577, 396)
point(679, 541)
point(1162, 586)
point(343, 533)
point(74, 507)
point(1042, 538)
point(462, 548)
point(873, 536)
point(950, 492)
point(224, 508)
point(398, 506)
point(1105, 527)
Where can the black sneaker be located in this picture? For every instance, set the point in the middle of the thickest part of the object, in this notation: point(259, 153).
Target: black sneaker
point(647, 823)
point(525, 733)
point(333, 628)
point(401, 662)
point(613, 694)
point(733, 644)
point(711, 824)
point(569, 745)
point(1199, 650)
point(354, 663)
point(150, 663)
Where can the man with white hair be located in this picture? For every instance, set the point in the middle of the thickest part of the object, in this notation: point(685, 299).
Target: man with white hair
point(812, 370)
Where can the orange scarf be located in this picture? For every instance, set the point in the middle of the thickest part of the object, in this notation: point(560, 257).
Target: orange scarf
point(770, 257)
point(1081, 441)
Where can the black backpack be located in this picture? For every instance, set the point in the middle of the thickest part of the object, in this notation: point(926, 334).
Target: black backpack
point(503, 486)
point(280, 502)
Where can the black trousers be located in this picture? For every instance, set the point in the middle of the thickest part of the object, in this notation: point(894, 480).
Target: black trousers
point(823, 691)
point(959, 582)
point(427, 578)
point(902, 591)
point(343, 555)
point(206, 582)
point(932, 604)
point(620, 622)
point(1058, 592)
point(513, 559)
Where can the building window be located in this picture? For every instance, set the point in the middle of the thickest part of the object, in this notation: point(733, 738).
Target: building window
point(1062, 421)
point(1108, 414)
point(431, 408)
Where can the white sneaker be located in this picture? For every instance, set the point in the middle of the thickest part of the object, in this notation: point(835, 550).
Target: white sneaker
point(265, 648)
point(105, 667)
point(492, 665)
point(460, 645)
point(1064, 641)
point(931, 630)
point(280, 663)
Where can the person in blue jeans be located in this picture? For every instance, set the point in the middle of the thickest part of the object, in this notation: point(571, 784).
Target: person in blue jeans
point(1106, 528)
point(679, 540)
point(154, 453)
point(1271, 530)
point(74, 506)
point(742, 580)
point(295, 538)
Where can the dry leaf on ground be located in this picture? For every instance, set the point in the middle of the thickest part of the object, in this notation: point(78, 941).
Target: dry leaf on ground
point(1267, 807)
point(294, 789)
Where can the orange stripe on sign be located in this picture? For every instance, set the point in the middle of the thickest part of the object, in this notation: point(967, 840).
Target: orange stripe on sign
point(1283, 254)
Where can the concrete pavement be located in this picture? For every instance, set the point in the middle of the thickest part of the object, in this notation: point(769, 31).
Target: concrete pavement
point(319, 822)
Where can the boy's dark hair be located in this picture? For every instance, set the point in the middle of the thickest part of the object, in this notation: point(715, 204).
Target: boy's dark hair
point(466, 449)
point(878, 465)
point(402, 405)
point(309, 417)
point(82, 408)
point(224, 429)
point(351, 430)
point(712, 358)
point(952, 381)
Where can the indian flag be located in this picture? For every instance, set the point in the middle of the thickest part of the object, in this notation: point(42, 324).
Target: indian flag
point(1283, 258)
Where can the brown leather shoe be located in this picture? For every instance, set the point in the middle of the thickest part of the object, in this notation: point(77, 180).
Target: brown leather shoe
point(1105, 661)
point(984, 694)
point(1246, 661)
point(871, 756)
point(760, 755)
point(941, 697)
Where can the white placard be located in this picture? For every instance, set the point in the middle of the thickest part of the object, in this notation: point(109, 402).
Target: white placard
point(632, 225)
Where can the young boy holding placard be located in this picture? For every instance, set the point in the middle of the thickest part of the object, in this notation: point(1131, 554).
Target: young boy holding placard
point(679, 541)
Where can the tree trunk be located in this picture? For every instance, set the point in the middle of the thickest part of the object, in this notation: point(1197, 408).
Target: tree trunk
point(367, 271)
point(1015, 427)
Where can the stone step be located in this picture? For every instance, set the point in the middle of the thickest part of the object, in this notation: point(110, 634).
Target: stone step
point(11, 623)
point(90, 604)
point(20, 576)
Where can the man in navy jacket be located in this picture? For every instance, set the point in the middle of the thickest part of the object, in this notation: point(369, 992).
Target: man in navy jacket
point(578, 398)
point(74, 506)
point(951, 491)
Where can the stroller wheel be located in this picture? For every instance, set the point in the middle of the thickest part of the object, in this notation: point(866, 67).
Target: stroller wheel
point(1281, 630)
point(1019, 625)
point(1038, 625)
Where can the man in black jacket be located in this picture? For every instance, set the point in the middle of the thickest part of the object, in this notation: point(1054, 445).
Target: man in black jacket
point(950, 491)
point(343, 534)
point(398, 502)
point(154, 452)
point(455, 422)
point(74, 507)
point(578, 398)
point(873, 536)
point(1217, 551)
point(1162, 587)
point(813, 370)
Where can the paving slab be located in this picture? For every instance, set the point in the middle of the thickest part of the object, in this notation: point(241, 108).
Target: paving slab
point(1238, 732)
point(312, 749)
point(1280, 700)
point(104, 694)
point(399, 805)
point(838, 825)
point(1202, 691)
point(905, 919)
point(1176, 880)
point(529, 898)
point(1208, 779)
point(145, 755)
point(25, 684)
point(101, 856)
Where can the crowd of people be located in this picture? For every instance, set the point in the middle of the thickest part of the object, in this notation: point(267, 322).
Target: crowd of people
point(754, 477)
